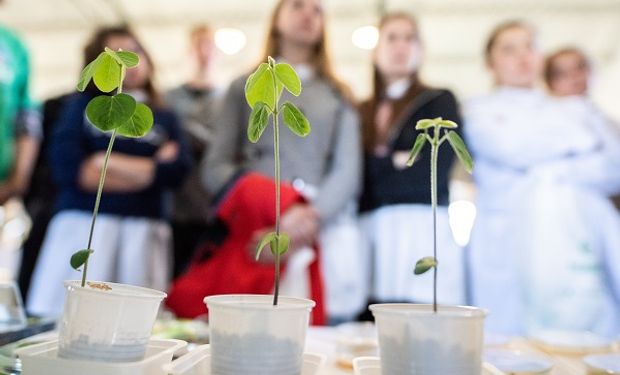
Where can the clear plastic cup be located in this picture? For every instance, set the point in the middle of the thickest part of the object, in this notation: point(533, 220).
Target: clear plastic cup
point(413, 340)
point(250, 336)
point(107, 322)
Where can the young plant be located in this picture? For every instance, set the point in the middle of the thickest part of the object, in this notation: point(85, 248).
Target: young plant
point(436, 132)
point(262, 92)
point(118, 113)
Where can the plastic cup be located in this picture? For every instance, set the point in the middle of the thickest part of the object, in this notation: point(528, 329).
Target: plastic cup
point(250, 336)
point(413, 340)
point(107, 321)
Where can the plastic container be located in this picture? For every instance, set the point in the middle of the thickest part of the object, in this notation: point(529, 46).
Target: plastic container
point(519, 363)
point(603, 364)
point(250, 336)
point(372, 366)
point(107, 322)
point(413, 340)
point(43, 359)
point(198, 362)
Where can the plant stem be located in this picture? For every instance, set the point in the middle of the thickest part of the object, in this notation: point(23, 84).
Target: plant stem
point(434, 153)
point(276, 152)
point(97, 201)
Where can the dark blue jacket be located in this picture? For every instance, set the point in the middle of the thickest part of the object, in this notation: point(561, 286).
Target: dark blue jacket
point(74, 139)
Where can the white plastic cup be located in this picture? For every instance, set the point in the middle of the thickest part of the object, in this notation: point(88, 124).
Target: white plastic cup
point(250, 336)
point(413, 340)
point(101, 324)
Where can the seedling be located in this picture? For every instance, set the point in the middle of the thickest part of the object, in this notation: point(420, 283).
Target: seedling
point(436, 132)
point(118, 113)
point(262, 92)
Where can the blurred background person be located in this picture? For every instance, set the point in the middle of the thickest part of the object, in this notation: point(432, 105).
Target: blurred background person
point(324, 166)
point(396, 200)
point(196, 103)
point(567, 72)
point(132, 239)
point(537, 255)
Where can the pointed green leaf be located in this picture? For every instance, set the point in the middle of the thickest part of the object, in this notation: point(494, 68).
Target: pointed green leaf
point(283, 244)
point(286, 74)
point(295, 120)
point(424, 265)
point(267, 238)
point(259, 87)
point(448, 124)
point(259, 119)
point(110, 112)
point(139, 124)
point(107, 74)
point(461, 150)
point(416, 149)
point(427, 123)
point(79, 258)
point(87, 74)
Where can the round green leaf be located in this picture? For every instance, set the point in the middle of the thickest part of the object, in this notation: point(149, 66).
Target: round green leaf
point(460, 150)
point(295, 120)
point(416, 149)
point(107, 74)
point(139, 124)
point(286, 74)
point(259, 119)
point(282, 245)
point(87, 73)
point(110, 112)
point(259, 87)
point(424, 265)
point(79, 258)
point(126, 58)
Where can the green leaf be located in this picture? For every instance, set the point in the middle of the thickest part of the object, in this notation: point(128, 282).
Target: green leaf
point(427, 123)
point(87, 73)
point(110, 112)
point(417, 147)
point(286, 74)
point(267, 238)
point(139, 124)
point(260, 87)
point(259, 119)
point(295, 120)
point(448, 124)
point(424, 265)
point(461, 150)
point(79, 258)
point(283, 244)
point(107, 74)
point(129, 59)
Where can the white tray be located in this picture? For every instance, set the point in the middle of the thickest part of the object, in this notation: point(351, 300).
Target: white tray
point(42, 359)
point(372, 366)
point(198, 362)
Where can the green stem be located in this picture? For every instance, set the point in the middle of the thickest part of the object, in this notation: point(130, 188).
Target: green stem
point(97, 201)
point(434, 154)
point(276, 154)
point(101, 183)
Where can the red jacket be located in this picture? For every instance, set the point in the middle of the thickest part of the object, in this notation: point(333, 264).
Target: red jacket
point(247, 207)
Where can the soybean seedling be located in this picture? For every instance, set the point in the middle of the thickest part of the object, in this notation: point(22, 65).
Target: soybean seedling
point(118, 113)
point(263, 89)
point(436, 132)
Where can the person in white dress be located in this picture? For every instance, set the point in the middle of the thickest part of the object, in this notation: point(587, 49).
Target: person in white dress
point(543, 169)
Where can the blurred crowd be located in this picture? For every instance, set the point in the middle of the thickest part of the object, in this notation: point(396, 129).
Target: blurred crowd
point(184, 207)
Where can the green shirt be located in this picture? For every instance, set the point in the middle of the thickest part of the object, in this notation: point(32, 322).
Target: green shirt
point(14, 96)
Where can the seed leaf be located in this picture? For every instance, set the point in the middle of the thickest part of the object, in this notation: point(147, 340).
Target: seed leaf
point(461, 150)
point(266, 240)
point(110, 112)
point(79, 258)
point(295, 120)
point(424, 265)
point(416, 149)
point(288, 77)
point(139, 124)
point(259, 87)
